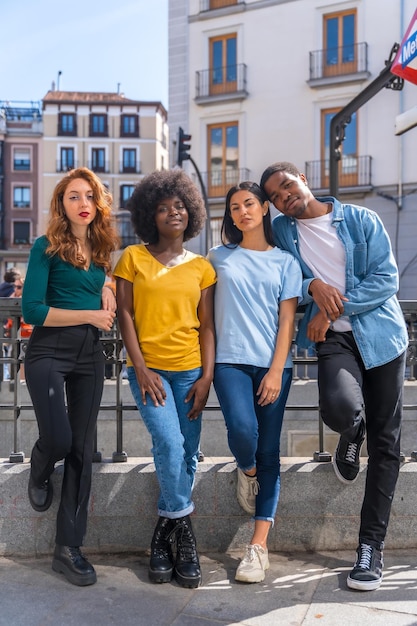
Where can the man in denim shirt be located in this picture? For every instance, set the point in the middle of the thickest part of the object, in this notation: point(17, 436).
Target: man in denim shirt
point(353, 318)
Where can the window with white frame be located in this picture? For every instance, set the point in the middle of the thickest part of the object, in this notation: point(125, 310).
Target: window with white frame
point(129, 125)
point(21, 159)
point(21, 197)
point(21, 232)
point(67, 159)
point(125, 193)
point(129, 163)
point(98, 159)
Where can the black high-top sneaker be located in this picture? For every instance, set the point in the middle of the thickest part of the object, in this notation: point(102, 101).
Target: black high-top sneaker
point(367, 571)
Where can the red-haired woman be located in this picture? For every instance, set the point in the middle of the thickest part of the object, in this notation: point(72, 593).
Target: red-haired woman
point(65, 299)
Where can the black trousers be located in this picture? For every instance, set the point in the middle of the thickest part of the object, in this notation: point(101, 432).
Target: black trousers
point(349, 394)
point(69, 362)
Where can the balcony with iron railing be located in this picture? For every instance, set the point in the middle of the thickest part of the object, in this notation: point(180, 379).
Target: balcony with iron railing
point(64, 165)
point(221, 83)
point(133, 167)
point(218, 181)
point(99, 167)
point(355, 174)
point(338, 65)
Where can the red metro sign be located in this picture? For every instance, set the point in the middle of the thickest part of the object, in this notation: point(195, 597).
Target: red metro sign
point(405, 62)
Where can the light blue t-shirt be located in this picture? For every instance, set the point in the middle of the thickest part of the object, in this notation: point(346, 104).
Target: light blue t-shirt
point(250, 286)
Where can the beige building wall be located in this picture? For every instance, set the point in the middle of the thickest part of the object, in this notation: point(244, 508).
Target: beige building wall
point(149, 147)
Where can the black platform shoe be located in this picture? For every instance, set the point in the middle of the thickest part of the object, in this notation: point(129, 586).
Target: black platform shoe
point(40, 498)
point(187, 570)
point(161, 564)
point(69, 561)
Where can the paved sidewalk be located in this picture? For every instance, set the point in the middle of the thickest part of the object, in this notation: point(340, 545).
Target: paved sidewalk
point(303, 589)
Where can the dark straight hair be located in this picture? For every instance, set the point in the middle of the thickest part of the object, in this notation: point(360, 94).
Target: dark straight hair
point(232, 236)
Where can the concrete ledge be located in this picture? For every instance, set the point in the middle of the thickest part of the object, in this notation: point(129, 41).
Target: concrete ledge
point(316, 512)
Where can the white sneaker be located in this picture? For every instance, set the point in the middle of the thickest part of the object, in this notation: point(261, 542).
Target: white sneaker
point(247, 490)
point(253, 565)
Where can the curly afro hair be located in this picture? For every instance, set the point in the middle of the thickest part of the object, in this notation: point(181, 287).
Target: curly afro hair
point(158, 186)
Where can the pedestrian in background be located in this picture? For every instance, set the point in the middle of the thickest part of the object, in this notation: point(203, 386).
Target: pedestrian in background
point(7, 287)
point(24, 330)
point(11, 278)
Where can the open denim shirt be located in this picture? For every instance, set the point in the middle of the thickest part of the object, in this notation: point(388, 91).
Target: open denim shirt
point(372, 282)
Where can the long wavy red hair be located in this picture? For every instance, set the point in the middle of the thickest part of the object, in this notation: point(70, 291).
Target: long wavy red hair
point(102, 233)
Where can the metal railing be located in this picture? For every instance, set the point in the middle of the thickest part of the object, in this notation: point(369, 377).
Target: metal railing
point(305, 364)
point(130, 167)
point(218, 181)
point(354, 171)
point(342, 61)
point(221, 81)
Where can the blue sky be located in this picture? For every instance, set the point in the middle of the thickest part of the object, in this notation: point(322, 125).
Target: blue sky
point(96, 44)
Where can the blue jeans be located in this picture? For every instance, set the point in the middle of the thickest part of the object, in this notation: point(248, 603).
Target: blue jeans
point(253, 431)
point(175, 439)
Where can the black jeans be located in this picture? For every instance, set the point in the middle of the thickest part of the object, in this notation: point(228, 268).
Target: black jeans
point(66, 361)
point(349, 394)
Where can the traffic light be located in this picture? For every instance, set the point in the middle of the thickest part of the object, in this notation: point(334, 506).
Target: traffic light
point(183, 147)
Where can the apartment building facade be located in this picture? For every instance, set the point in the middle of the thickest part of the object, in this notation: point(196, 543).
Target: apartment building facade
point(118, 138)
point(259, 81)
point(20, 180)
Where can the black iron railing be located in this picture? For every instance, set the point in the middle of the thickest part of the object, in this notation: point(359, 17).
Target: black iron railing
point(304, 369)
point(229, 80)
point(333, 62)
point(354, 172)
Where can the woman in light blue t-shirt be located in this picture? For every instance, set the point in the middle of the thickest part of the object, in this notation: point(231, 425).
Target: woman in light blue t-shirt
point(256, 296)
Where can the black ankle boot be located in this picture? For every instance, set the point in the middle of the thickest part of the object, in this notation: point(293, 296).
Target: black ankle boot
point(162, 562)
point(187, 566)
point(69, 561)
point(40, 496)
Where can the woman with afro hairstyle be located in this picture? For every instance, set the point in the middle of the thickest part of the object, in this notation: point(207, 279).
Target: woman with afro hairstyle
point(65, 298)
point(165, 312)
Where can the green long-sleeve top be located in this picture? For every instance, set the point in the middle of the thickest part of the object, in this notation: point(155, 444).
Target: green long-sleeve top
point(52, 282)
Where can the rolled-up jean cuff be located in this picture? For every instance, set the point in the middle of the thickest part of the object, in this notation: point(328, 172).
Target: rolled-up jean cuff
point(265, 519)
point(177, 514)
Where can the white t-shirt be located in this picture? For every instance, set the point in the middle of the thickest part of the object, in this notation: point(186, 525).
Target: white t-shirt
point(323, 252)
point(250, 286)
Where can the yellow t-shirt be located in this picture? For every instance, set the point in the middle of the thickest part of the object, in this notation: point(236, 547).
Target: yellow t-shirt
point(165, 301)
